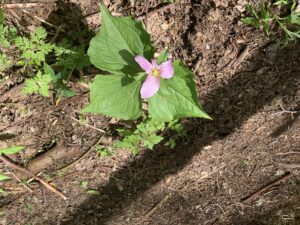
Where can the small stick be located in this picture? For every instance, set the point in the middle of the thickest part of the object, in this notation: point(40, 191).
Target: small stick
point(95, 128)
point(252, 196)
point(287, 153)
point(38, 18)
point(8, 162)
point(289, 165)
point(56, 34)
point(209, 174)
point(25, 186)
point(241, 57)
point(286, 111)
point(146, 8)
point(18, 5)
point(158, 205)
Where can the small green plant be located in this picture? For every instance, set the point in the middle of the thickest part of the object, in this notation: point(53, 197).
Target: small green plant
point(42, 81)
point(71, 57)
point(9, 151)
point(5, 63)
point(34, 49)
point(85, 185)
point(7, 35)
point(123, 48)
point(268, 18)
point(38, 84)
point(148, 133)
point(103, 151)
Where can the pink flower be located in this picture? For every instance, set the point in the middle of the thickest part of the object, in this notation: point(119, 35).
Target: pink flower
point(154, 71)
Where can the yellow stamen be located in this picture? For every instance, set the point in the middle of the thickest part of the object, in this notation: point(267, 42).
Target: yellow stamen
point(155, 72)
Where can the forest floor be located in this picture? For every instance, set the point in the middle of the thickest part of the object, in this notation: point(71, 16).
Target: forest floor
point(240, 168)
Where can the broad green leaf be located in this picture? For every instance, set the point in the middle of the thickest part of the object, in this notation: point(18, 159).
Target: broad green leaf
point(11, 150)
point(3, 177)
point(115, 95)
point(120, 39)
point(177, 97)
point(163, 56)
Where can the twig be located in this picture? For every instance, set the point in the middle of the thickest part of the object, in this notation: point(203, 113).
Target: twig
point(24, 185)
point(158, 205)
point(252, 196)
point(38, 18)
point(286, 111)
point(18, 5)
point(56, 34)
point(81, 156)
point(287, 153)
point(289, 165)
point(87, 125)
point(8, 162)
point(146, 8)
point(209, 174)
point(241, 57)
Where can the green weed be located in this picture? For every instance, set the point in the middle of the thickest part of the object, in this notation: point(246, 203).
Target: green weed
point(268, 18)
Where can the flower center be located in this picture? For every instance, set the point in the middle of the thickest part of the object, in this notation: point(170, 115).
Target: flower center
point(155, 72)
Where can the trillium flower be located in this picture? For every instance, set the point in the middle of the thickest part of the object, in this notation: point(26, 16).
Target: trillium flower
point(154, 74)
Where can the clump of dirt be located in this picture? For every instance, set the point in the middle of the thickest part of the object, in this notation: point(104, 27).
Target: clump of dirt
point(240, 168)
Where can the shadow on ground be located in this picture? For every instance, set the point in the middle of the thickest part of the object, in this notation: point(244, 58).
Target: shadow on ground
point(230, 105)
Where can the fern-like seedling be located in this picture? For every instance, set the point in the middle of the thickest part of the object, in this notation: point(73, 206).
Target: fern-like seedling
point(39, 84)
point(34, 49)
point(5, 62)
point(70, 58)
point(7, 35)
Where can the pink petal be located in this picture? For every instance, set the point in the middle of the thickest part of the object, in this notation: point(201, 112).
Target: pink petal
point(167, 70)
point(154, 63)
point(150, 86)
point(144, 63)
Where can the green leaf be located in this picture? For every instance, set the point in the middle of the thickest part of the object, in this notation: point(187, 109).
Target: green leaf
point(3, 177)
point(163, 56)
point(171, 143)
point(264, 12)
point(93, 192)
point(177, 97)
point(281, 2)
point(1, 16)
point(11, 150)
point(115, 95)
point(48, 69)
point(152, 141)
point(120, 39)
point(66, 91)
point(84, 184)
point(39, 84)
point(124, 132)
point(295, 18)
point(251, 21)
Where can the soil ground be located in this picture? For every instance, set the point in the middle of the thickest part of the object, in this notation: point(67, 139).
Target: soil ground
point(240, 168)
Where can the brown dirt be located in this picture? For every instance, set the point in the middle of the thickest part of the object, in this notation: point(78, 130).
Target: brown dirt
point(240, 168)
